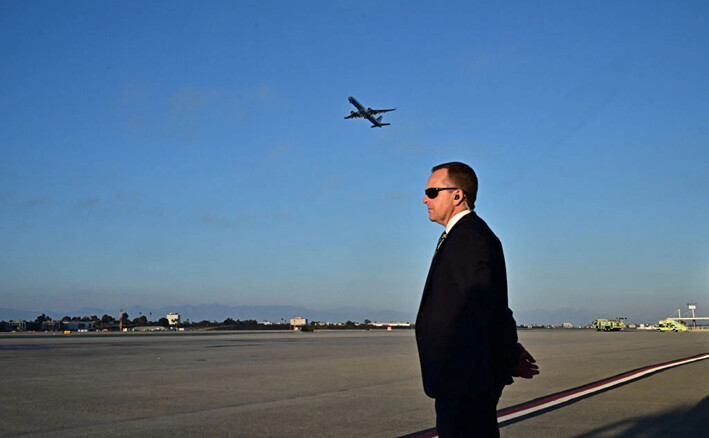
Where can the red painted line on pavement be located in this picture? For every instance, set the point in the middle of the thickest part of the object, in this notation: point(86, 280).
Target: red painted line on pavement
point(551, 402)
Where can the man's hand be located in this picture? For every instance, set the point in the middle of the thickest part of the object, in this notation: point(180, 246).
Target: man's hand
point(526, 368)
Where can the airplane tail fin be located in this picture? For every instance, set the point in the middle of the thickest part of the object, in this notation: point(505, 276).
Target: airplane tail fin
point(379, 123)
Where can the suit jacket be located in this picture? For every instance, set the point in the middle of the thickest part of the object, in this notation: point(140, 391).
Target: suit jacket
point(465, 332)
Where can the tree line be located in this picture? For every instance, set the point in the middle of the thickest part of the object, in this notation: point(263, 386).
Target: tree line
point(109, 323)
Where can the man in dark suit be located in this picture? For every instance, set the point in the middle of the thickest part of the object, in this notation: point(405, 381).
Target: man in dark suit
point(466, 336)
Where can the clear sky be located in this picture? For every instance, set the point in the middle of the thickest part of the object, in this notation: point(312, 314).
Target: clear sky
point(165, 153)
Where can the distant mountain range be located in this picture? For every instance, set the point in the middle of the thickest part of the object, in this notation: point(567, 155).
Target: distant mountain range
point(219, 312)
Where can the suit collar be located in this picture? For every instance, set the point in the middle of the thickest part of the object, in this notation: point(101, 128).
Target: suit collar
point(454, 220)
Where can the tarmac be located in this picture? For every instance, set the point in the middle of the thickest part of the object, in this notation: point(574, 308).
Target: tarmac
point(329, 384)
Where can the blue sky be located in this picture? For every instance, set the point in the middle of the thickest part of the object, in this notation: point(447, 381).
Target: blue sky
point(165, 153)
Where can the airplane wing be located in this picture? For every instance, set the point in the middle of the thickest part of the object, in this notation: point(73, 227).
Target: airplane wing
point(381, 111)
point(354, 115)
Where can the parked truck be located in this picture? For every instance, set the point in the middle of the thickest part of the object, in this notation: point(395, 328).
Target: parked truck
point(607, 325)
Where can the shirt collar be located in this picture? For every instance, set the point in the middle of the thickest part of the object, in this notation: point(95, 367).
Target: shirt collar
point(454, 220)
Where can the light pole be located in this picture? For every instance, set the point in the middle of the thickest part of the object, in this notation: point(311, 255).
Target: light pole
point(693, 307)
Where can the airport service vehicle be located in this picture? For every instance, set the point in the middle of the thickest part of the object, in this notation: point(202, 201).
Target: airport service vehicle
point(607, 325)
point(671, 325)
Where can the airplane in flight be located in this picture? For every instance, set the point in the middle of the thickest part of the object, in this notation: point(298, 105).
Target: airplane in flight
point(367, 113)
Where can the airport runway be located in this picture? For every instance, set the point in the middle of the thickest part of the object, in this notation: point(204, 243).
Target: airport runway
point(328, 384)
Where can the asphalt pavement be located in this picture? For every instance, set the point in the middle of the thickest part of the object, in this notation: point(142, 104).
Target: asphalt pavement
point(328, 384)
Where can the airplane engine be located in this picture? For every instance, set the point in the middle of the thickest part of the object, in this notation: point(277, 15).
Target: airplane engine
point(369, 110)
point(352, 113)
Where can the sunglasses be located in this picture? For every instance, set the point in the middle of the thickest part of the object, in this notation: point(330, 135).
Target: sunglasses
point(432, 192)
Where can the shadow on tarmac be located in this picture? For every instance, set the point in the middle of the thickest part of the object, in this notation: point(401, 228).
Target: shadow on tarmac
point(679, 422)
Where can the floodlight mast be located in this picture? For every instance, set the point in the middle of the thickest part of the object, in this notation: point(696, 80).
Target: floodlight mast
point(692, 307)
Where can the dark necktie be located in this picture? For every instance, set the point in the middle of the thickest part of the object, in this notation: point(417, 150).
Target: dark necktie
point(440, 240)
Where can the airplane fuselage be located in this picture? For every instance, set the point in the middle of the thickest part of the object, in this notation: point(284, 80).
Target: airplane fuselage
point(367, 113)
point(358, 105)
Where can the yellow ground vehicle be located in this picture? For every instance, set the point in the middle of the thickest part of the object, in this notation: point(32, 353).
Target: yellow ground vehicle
point(671, 325)
point(607, 325)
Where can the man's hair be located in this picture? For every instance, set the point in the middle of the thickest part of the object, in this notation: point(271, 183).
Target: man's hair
point(463, 176)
